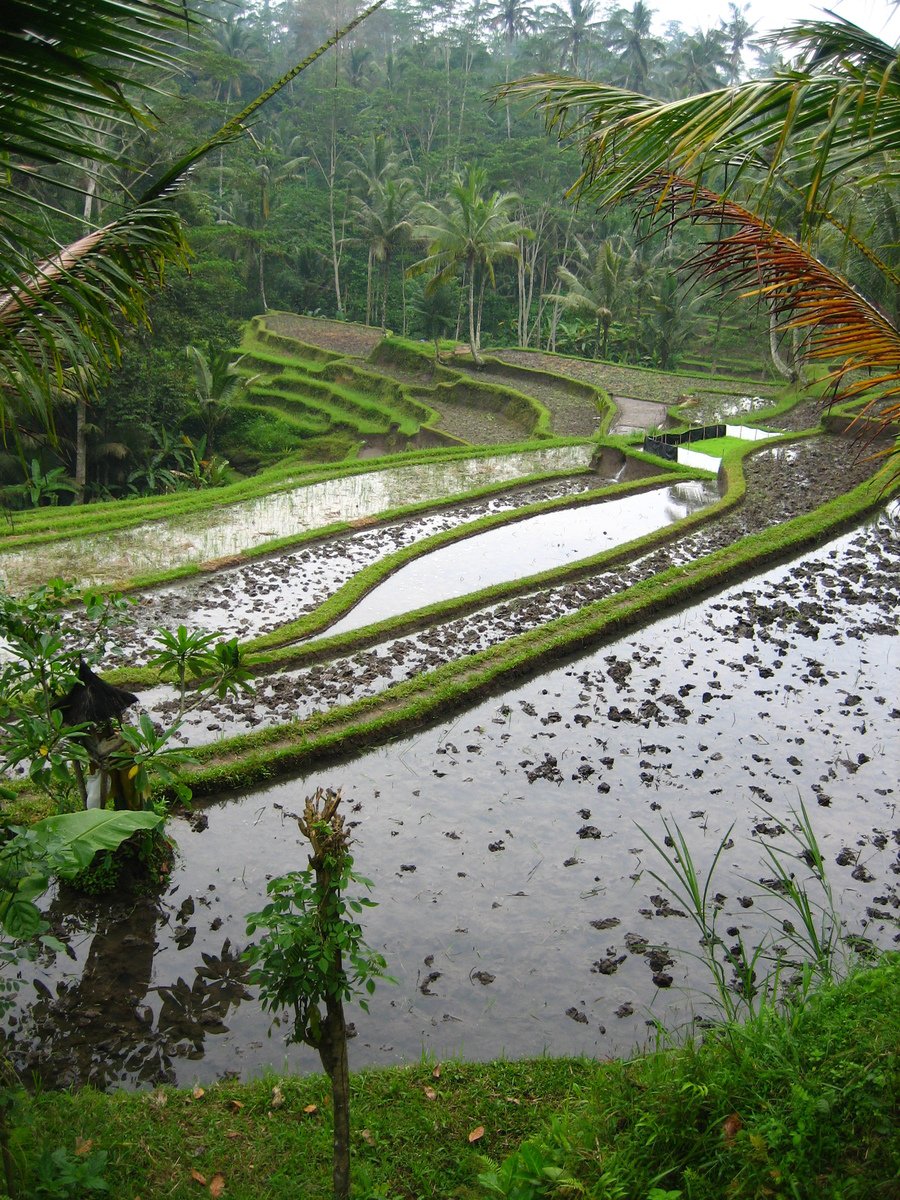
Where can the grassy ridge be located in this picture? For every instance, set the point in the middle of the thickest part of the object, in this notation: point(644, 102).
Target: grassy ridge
point(262, 756)
point(348, 395)
point(791, 1106)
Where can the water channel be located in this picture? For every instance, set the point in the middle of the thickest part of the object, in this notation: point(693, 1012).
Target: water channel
point(517, 909)
point(110, 559)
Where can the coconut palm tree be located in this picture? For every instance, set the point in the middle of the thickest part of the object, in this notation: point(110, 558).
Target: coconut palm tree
point(738, 33)
point(469, 235)
point(386, 222)
point(512, 18)
point(382, 202)
point(628, 35)
point(598, 288)
point(790, 175)
point(218, 384)
point(699, 64)
point(65, 64)
point(572, 29)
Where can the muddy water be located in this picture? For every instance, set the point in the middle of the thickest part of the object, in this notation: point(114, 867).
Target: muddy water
point(114, 558)
point(706, 409)
point(516, 903)
point(265, 592)
point(515, 551)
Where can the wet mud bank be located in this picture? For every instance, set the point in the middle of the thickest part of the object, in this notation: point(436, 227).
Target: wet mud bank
point(782, 482)
point(517, 908)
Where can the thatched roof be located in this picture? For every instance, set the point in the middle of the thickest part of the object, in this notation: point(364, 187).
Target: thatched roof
point(92, 701)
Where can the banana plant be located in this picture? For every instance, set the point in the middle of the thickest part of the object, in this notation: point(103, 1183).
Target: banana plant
point(56, 846)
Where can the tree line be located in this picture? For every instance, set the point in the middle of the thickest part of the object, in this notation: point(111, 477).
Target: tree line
point(391, 184)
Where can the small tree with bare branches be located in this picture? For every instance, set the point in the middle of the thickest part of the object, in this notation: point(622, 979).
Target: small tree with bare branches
point(313, 957)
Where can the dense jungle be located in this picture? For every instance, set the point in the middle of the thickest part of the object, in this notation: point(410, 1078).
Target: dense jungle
point(449, 577)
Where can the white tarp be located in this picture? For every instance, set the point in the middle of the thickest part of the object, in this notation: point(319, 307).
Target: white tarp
point(746, 434)
point(693, 458)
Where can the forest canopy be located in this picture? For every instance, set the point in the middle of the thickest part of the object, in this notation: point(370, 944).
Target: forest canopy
point(342, 187)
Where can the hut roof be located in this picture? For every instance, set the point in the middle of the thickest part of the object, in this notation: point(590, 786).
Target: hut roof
point(93, 701)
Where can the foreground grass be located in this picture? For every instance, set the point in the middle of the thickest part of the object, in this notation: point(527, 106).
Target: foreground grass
point(271, 1139)
point(799, 1107)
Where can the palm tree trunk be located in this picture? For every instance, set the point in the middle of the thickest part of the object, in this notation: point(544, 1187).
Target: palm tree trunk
point(473, 344)
point(779, 362)
point(80, 450)
point(403, 295)
point(481, 288)
point(261, 264)
point(369, 286)
point(385, 268)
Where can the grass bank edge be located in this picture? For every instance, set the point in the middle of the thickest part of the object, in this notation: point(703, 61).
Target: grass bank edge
point(349, 595)
point(831, 1060)
point(265, 755)
point(295, 541)
point(276, 648)
point(797, 1100)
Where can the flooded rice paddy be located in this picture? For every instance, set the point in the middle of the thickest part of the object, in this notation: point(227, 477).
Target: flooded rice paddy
point(517, 905)
point(112, 558)
point(524, 548)
point(257, 596)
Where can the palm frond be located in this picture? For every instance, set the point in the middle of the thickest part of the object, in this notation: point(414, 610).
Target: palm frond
point(834, 117)
point(845, 330)
point(60, 59)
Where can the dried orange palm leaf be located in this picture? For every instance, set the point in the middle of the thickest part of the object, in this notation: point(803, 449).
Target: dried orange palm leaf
point(843, 328)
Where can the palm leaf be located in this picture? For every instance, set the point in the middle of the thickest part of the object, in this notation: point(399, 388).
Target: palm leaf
point(840, 107)
point(61, 60)
point(845, 330)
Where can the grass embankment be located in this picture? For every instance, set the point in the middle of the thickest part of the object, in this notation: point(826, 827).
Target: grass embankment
point(798, 1106)
point(340, 393)
point(346, 597)
point(44, 525)
point(269, 753)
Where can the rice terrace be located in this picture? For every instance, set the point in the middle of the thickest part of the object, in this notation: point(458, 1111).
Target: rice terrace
point(448, 607)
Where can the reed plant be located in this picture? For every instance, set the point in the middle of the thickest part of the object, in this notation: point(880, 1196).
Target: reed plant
point(804, 945)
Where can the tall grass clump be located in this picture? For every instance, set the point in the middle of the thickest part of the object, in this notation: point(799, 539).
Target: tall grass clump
point(790, 1095)
point(796, 1103)
point(804, 944)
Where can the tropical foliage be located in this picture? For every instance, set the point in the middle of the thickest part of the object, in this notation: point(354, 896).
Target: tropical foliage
point(315, 212)
point(66, 66)
point(793, 177)
point(468, 235)
point(62, 727)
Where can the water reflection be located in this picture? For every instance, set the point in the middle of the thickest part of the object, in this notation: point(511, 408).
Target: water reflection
point(525, 548)
point(104, 1025)
point(721, 407)
point(114, 558)
point(513, 888)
